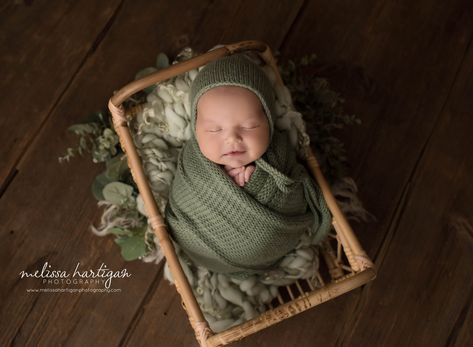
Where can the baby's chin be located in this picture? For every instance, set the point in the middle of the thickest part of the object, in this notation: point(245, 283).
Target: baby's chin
point(233, 162)
point(236, 163)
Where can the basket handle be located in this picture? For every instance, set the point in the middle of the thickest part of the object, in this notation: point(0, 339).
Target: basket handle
point(176, 69)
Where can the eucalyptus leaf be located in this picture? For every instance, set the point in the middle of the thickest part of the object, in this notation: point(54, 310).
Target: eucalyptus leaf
point(117, 193)
point(86, 128)
point(95, 118)
point(119, 231)
point(116, 167)
point(162, 61)
point(104, 118)
point(145, 72)
point(99, 183)
point(132, 247)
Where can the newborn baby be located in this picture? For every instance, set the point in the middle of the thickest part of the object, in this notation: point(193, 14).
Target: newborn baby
point(240, 200)
point(232, 130)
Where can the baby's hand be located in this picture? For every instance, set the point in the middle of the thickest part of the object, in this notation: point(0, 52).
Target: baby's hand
point(241, 174)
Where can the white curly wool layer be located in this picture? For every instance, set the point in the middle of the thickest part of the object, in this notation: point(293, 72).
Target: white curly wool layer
point(160, 130)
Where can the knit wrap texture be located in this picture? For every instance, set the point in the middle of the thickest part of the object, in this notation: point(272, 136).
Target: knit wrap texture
point(245, 230)
point(235, 70)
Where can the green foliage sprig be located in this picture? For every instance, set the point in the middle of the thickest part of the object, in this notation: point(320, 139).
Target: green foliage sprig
point(323, 112)
point(96, 137)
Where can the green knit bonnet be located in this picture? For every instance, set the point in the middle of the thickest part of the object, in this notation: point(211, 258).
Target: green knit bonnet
point(235, 70)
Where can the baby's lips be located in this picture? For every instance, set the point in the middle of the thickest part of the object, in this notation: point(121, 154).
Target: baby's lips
point(233, 151)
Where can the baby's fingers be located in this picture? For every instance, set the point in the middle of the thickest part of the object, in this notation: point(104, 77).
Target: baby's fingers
point(235, 171)
point(248, 172)
point(241, 179)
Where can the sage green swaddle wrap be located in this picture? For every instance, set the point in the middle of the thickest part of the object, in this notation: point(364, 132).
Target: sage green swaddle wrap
point(242, 230)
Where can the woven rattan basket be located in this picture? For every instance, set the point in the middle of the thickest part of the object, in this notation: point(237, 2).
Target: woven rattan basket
point(344, 265)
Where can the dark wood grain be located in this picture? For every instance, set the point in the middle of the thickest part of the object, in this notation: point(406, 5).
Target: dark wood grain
point(425, 303)
point(43, 48)
point(462, 332)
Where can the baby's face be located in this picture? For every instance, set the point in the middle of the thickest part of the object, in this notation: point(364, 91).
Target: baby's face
point(231, 119)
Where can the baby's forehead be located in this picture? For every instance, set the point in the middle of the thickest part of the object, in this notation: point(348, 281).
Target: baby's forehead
point(229, 104)
point(214, 118)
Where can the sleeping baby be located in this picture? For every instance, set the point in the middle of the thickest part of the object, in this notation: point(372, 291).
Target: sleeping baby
point(240, 200)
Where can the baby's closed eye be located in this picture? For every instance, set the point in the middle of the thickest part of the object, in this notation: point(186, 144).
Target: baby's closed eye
point(246, 127)
point(249, 126)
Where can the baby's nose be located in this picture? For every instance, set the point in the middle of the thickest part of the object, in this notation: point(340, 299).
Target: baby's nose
point(233, 136)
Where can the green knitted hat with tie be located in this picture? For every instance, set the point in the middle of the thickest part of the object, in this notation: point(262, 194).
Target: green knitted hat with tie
point(235, 70)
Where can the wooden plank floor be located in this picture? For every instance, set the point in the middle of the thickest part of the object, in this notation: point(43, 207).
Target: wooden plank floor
point(405, 68)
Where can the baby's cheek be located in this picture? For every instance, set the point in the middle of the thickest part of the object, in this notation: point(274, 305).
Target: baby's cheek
point(259, 144)
point(209, 148)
